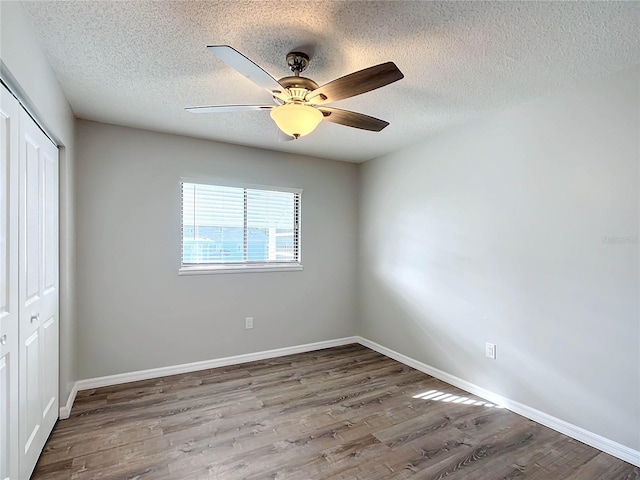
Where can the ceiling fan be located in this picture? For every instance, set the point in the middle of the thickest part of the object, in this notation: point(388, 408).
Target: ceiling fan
point(299, 102)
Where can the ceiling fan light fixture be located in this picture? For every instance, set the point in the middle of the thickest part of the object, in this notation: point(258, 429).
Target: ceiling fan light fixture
point(295, 119)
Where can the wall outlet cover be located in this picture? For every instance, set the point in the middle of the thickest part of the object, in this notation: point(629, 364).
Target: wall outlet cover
point(490, 351)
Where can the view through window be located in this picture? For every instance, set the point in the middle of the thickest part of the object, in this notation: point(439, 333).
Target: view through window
point(224, 225)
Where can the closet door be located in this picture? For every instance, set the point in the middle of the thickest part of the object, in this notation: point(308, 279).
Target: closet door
point(9, 118)
point(38, 291)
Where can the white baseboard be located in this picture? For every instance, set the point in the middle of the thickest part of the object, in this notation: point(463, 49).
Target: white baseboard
point(195, 366)
point(65, 410)
point(597, 441)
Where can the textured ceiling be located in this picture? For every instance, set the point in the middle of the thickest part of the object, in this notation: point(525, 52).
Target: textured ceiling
point(139, 63)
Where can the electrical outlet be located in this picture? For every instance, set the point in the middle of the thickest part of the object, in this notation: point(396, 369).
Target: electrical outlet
point(248, 323)
point(490, 350)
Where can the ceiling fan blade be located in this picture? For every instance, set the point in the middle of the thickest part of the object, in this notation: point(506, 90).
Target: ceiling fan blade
point(246, 67)
point(228, 108)
point(356, 83)
point(353, 119)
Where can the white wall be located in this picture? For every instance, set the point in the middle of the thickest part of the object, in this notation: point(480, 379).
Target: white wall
point(136, 312)
point(498, 232)
point(29, 69)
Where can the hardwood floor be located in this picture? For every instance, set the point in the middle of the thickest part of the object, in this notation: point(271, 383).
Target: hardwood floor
point(340, 413)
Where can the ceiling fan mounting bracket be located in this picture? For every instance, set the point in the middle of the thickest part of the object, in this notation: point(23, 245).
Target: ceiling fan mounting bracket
point(298, 62)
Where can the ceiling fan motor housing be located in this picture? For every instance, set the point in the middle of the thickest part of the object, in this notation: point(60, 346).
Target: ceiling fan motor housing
point(298, 87)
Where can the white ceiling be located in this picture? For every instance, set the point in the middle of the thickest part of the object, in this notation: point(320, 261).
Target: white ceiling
point(139, 63)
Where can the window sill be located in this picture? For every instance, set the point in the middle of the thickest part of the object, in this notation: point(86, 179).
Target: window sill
point(215, 269)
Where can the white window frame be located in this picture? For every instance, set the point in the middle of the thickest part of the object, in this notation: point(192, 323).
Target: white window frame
point(252, 267)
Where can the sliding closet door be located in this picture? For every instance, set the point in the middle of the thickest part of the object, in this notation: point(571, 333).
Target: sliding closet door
point(9, 119)
point(38, 291)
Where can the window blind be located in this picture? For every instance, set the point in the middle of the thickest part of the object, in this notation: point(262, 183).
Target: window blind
point(224, 225)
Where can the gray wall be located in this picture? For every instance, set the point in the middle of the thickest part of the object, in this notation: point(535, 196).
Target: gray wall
point(22, 55)
point(136, 312)
point(521, 230)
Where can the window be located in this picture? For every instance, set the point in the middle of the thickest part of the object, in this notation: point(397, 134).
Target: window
point(228, 228)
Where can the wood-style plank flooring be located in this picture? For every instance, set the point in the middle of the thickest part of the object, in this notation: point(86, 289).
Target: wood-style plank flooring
point(340, 413)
